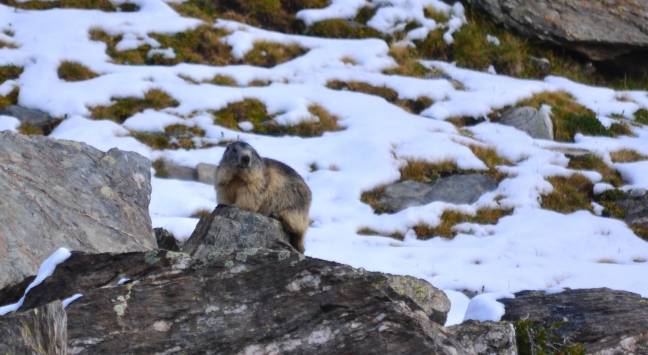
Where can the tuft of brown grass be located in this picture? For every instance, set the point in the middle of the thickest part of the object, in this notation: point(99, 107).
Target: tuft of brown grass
point(268, 54)
point(160, 168)
point(569, 194)
point(373, 232)
point(450, 218)
point(408, 62)
point(75, 71)
point(30, 130)
point(592, 162)
point(103, 5)
point(423, 171)
point(176, 136)
point(223, 80)
point(372, 198)
point(202, 213)
point(10, 99)
point(627, 156)
point(123, 108)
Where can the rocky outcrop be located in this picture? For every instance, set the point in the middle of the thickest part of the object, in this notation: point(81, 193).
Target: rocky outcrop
point(604, 321)
point(613, 31)
point(229, 228)
point(459, 189)
point(249, 299)
point(536, 123)
point(41, 330)
point(61, 193)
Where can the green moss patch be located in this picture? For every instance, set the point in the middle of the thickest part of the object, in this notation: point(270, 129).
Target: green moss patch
point(255, 112)
point(175, 136)
point(570, 117)
point(123, 108)
point(641, 116)
point(10, 99)
point(202, 45)
point(75, 71)
point(277, 15)
point(269, 54)
point(533, 338)
point(340, 28)
point(569, 194)
point(592, 162)
point(103, 5)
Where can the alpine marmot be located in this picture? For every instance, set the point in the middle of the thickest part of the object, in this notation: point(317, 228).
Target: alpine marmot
point(246, 180)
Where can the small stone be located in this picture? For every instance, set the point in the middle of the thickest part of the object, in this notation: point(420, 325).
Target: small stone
point(535, 123)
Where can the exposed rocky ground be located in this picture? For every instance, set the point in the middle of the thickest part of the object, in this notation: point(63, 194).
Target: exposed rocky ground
point(237, 286)
point(396, 116)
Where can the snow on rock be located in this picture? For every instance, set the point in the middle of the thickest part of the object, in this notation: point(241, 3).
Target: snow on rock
point(483, 308)
point(8, 123)
point(44, 271)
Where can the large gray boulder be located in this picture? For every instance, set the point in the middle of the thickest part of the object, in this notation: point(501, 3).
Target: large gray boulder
point(614, 31)
point(604, 321)
point(41, 330)
point(459, 189)
point(66, 194)
point(249, 299)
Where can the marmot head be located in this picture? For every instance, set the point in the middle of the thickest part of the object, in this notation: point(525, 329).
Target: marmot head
point(242, 156)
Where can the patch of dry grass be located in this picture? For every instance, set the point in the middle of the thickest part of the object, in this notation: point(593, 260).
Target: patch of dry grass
point(627, 156)
point(450, 218)
point(123, 108)
point(255, 112)
point(75, 71)
point(569, 194)
point(592, 162)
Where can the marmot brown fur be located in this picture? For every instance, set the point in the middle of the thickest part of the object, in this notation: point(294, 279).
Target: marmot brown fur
point(246, 180)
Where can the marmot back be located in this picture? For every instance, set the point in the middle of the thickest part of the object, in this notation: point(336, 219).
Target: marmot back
point(246, 180)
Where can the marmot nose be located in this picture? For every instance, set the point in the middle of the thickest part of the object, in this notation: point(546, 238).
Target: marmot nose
point(245, 160)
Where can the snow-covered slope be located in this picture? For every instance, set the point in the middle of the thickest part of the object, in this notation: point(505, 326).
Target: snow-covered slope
point(532, 248)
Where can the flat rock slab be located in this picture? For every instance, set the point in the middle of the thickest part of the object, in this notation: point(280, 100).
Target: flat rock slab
point(458, 189)
point(603, 320)
point(41, 330)
point(62, 193)
point(535, 123)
